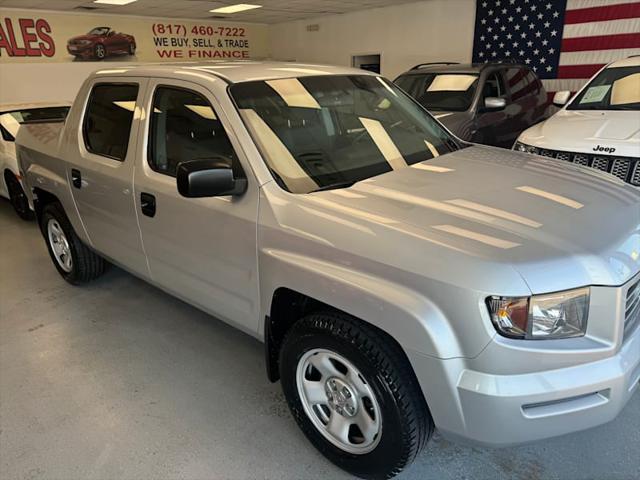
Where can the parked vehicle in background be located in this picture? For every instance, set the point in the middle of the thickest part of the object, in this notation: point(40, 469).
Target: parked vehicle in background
point(399, 278)
point(100, 43)
point(11, 117)
point(599, 127)
point(488, 103)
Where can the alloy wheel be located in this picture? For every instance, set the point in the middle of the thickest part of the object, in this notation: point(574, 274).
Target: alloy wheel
point(59, 245)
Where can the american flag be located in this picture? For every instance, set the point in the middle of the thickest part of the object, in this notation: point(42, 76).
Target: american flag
point(564, 41)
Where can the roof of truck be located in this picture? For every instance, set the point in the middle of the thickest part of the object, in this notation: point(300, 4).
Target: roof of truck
point(233, 71)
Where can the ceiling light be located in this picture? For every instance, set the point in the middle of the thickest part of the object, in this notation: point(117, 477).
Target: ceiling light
point(115, 2)
point(240, 7)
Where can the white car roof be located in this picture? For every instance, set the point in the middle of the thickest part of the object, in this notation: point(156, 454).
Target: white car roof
point(234, 71)
point(626, 62)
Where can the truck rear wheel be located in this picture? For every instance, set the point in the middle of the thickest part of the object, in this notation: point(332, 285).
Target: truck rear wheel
point(354, 395)
point(72, 258)
point(17, 197)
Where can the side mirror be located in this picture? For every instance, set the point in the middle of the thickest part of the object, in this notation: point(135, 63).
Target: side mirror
point(561, 98)
point(494, 103)
point(208, 178)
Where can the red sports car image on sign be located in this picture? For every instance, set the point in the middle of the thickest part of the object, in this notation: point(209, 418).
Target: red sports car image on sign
point(101, 42)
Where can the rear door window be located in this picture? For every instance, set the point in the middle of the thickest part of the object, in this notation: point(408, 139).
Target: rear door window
point(108, 119)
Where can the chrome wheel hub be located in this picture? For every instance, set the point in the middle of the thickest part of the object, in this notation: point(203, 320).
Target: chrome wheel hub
point(59, 245)
point(341, 397)
point(339, 401)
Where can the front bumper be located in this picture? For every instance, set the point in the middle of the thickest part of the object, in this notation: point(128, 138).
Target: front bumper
point(80, 50)
point(503, 410)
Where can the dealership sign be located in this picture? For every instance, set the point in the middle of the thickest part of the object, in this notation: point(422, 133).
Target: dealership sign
point(35, 36)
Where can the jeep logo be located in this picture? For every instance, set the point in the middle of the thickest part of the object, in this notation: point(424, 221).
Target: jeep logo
point(599, 148)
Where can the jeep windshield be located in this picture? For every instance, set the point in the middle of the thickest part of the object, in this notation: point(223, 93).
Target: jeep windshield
point(323, 132)
point(612, 89)
point(450, 92)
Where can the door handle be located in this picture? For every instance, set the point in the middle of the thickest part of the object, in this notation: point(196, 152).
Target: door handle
point(76, 178)
point(148, 204)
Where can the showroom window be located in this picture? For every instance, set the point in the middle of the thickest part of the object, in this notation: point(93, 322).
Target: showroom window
point(107, 123)
point(185, 127)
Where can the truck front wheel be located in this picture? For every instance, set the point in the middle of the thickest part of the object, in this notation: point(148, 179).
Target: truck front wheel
point(353, 394)
point(72, 258)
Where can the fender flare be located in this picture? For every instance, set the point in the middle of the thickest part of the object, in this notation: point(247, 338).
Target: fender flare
point(409, 317)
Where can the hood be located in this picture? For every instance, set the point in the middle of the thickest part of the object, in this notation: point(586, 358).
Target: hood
point(83, 37)
point(558, 225)
point(584, 131)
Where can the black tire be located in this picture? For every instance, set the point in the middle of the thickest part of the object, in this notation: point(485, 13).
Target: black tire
point(406, 421)
point(86, 264)
point(17, 197)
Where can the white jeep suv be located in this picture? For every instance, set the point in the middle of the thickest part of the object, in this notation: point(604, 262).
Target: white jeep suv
point(599, 127)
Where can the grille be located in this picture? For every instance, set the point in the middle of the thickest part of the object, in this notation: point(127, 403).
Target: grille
point(581, 159)
point(626, 169)
point(621, 168)
point(600, 163)
point(635, 177)
point(632, 308)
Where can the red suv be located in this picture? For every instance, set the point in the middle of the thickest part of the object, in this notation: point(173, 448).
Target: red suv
point(100, 43)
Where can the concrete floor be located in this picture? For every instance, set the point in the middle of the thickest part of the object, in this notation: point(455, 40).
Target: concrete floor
point(119, 380)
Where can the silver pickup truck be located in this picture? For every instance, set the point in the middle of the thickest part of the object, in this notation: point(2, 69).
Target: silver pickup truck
point(400, 279)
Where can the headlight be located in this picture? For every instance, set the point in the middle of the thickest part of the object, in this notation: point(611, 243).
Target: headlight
point(523, 147)
point(555, 315)
point(84, 42)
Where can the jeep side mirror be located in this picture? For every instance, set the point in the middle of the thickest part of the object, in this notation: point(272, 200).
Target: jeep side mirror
point(561, 98)
point(208, 178)
point(493, 104)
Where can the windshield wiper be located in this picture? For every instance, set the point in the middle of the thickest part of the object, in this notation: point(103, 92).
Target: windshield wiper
point(334, 186)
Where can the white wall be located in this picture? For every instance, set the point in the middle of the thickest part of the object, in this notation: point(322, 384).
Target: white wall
point(45, 82)
point(405, 35)
point(431, 30)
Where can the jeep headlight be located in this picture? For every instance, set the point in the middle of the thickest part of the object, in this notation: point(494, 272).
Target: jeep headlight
point(523, 147)
point(553, 315)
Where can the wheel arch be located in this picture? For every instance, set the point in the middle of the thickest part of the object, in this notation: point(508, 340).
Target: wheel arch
point(7, 171)
point(304, 285)
point(42, 198)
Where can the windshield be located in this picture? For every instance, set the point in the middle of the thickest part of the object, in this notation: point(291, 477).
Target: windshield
point(99, 31)
point(452, 92)
point(611, 89)
point(324, 132)
point(11, 121)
